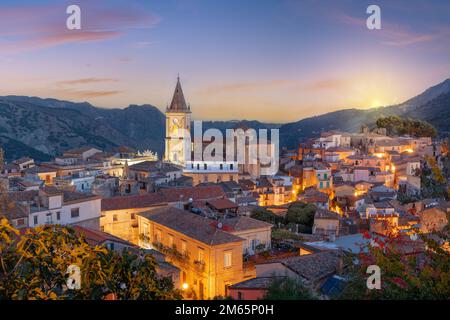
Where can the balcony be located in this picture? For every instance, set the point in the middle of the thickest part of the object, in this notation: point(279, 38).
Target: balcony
point(199, 266)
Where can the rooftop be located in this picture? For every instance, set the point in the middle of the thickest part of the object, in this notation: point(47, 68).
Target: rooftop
point(191, 225)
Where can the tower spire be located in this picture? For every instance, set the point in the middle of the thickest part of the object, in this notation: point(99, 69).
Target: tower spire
point(178, 103)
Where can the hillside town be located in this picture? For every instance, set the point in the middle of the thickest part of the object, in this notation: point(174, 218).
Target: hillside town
point(225, 229)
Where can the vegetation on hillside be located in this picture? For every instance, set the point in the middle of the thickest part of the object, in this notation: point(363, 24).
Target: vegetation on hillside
point(404, 126)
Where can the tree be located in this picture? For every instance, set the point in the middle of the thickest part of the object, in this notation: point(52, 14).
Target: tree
point(265, 215)
point(302, 214)
point(402, 126)
point(419, 276)
point(34, 266)
point(285, 288)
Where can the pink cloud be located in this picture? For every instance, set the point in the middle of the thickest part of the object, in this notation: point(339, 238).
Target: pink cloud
point(393, 34)
point(34, 27)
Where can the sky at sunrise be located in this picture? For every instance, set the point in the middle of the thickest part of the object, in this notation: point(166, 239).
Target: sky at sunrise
point(268, 60)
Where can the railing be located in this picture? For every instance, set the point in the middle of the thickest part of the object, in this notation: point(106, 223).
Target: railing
point(172, 252)
point(199, 266)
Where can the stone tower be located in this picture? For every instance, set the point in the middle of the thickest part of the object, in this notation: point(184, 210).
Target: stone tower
point(178, 125)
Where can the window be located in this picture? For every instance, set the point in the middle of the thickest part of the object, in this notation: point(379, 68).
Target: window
point(115, 218)
point(227, 259)
point(158, 236)
point(231, 178)
point(133, 216)
point(325, 176)
point(231, 166)
point(221, 166)
point(183, 247)
point(58, 215)
point(20, 222)
point(205, 166)
point(102, 228)
point(35, 220)
point(170, 243)
point(240, 295)
point(48, 218)
point(321, 185)
point(198, 166)
point(201, 255)
point(253, 244)
point(74, 212)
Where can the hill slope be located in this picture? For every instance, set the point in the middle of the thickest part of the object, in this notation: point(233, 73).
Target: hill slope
point(42, 128)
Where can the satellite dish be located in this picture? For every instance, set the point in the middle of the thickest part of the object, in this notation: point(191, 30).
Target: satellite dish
point(219, 225)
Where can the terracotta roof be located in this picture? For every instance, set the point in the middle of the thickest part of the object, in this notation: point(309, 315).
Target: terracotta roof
point(243, 223)
point(73, 197)
point(16, 212)
point(39, 169)
point(196, 193)
point(314, 266)
point(222, 204)
point(127, 202)
point(259, 283)
point(97, 238)
point(326, 214)
point(191, 225)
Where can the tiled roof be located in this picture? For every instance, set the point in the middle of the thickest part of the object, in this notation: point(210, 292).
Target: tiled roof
point(191, 225)
point(127, 202)
point(243, 223)
point(196, 193)
point(16, 212)
point(314, 266)
point(72, 197)
point(96, 237)
point(255, 283)
point(222, 204)
point(326, 214)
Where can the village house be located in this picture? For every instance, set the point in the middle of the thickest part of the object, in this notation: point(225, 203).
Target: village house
point(118, 214)
point(209, 258)
point(52, 206)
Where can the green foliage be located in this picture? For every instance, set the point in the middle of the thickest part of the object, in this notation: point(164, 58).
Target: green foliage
point(302, 214)
point(284, 288)
point(433, 180)
point(266, 215)
point(34, 266)
point(401, 126)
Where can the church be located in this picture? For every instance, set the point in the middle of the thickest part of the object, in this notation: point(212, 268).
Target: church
point(178, 125)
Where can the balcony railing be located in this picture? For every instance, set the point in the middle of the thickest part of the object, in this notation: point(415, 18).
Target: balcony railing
point(199, 266)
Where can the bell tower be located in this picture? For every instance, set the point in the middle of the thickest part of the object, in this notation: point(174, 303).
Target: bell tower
point(178, 126)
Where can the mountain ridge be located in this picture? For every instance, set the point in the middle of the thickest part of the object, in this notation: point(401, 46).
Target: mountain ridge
point(46, 127)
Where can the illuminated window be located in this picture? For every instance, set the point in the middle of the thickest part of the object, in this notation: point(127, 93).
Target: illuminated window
point(201, 255)
point(183, 247)
point(227, 259)
point(158, 236)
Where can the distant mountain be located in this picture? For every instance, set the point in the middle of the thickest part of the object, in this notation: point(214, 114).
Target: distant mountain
point(52, 126)
point(432, 105)
point(43, 128)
